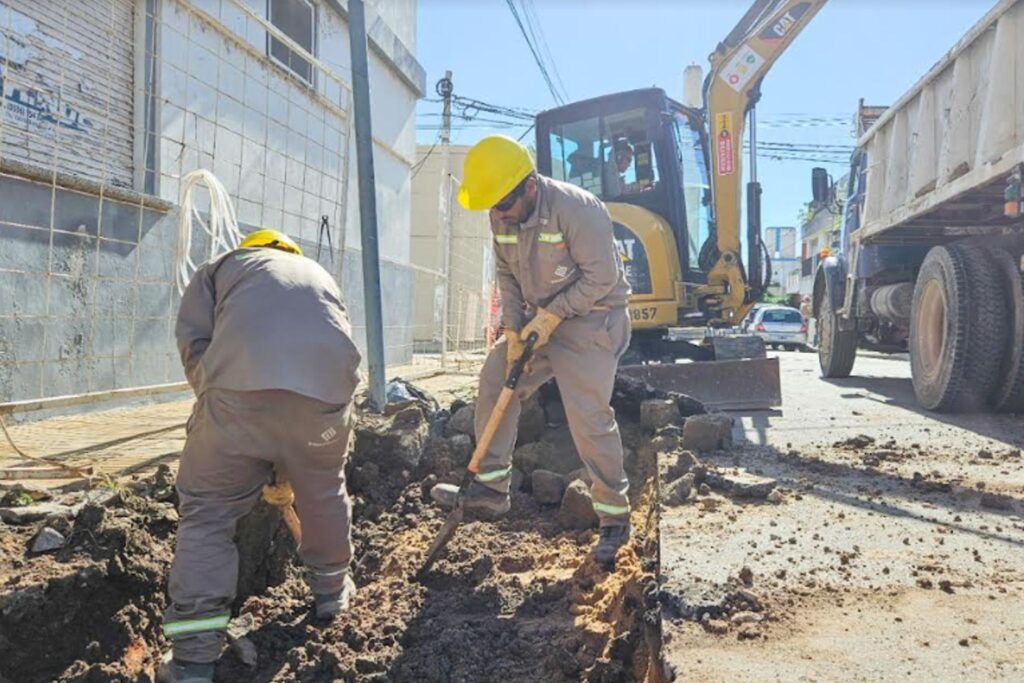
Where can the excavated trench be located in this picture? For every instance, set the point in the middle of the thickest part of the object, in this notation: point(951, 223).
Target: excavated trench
point(514, 600)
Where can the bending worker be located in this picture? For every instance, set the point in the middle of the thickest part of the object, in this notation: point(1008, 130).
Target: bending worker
point(560, 276)
point(266, 344)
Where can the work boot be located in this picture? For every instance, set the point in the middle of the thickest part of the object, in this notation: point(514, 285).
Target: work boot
point(176, 671)
point(479, 501)
point(330, 605)
point(612, 538)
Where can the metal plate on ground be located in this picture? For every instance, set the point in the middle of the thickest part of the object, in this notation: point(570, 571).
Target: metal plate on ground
point(746, 384)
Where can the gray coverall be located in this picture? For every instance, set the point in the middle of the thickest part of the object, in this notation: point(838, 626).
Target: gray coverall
point(564, 259)
point(266, 344)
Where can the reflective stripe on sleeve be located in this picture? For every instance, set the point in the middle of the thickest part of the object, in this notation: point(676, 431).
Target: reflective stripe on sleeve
point(506, 239)
point(550, 237)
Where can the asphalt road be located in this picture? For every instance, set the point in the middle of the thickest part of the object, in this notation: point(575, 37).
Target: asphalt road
point(895, 552)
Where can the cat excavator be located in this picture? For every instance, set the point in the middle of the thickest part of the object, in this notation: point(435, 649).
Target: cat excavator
point(671, 175)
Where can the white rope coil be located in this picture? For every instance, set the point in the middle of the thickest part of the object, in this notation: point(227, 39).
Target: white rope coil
point(222, 227)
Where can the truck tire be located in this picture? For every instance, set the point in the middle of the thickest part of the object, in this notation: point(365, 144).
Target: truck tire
point(957, 329)
point(1008, 396)
point(837, 349)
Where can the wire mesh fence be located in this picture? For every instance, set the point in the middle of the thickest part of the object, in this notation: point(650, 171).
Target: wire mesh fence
point(106, 105)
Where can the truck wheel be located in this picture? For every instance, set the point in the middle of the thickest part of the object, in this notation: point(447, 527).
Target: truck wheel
point(1008, 395)
point(837, 349)
point(957, 329)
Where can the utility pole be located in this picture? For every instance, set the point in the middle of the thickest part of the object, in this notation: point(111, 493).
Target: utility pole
point(444, 89)
point(367, 203)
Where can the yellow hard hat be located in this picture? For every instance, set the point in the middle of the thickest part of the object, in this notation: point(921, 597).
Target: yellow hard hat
point(272, 239)
point(492, 169)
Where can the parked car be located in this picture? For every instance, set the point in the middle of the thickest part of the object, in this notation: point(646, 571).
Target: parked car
point(748, 320)
point(780, 326)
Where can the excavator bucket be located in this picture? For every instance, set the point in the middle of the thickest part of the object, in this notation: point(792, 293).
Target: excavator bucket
point(744, 384)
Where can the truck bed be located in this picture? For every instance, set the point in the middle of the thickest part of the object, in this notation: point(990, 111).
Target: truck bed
point(938, 159)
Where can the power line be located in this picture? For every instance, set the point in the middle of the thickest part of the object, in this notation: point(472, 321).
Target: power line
point(537, 32)
point(536, 57)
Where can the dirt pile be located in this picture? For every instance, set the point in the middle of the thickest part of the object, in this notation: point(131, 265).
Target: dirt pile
point(514, 600)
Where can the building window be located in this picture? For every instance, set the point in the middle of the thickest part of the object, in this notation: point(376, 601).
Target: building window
point(297, 20)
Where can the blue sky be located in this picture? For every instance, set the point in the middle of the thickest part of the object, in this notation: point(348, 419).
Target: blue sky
point(873, 49)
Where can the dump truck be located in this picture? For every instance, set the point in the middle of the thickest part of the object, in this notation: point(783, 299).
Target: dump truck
point(672, 176)
point(932, 240)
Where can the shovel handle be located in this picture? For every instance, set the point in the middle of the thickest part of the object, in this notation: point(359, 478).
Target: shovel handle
point(508, 392)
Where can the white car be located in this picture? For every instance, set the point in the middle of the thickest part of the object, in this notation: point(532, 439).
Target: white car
point(780, 326)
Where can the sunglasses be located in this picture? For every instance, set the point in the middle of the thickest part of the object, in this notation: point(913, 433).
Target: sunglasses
point(511, 198)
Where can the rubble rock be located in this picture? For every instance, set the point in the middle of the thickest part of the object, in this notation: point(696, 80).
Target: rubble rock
point(461, 421)
point(532, 456)
point(679, 490)
point(461, 448)
point(629, 393)
point(577, 509)
point(776, 497)
point(517, 480)
point(393, 446)
point(245, 650)
point(716, 627)
point(46, 540)
point(747, 576)
point(745, 618)
point(532, 421)
point(741, 484)
point(362, 477)
point(656, 413)
point(555, 453)
point(548, 487)
point(855, 442)
point(23, 492)
point(554, 411)
point(27, 514)
point(582, 474)
point(684, 464)
point(709, 432)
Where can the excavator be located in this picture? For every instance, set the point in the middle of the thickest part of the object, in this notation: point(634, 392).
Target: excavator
point(671, 175)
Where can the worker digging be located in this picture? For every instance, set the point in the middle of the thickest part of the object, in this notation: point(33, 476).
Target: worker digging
point(560, 278)
point(266, 344)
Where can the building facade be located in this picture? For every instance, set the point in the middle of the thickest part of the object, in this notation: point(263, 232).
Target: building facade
point(782, 245)
point(108, 104)
point(821, 230)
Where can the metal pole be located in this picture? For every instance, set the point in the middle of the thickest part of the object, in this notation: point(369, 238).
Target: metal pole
point(367, 203)
point(444, 89)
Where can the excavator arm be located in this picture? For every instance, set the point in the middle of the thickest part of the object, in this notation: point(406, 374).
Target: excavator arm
point(731, 90)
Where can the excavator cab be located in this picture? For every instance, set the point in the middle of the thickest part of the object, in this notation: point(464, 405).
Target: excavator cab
point(645, 156)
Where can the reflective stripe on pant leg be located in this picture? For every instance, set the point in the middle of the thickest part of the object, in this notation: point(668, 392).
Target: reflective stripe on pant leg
point(617, 510)
point(189, 626)
point(584, 354)
point(493, 475)
point(492, 379)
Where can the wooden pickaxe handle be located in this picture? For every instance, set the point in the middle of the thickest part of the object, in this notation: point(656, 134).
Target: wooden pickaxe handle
point(280, 495)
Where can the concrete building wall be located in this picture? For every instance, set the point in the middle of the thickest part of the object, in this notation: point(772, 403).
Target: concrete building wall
point(87, 256)
point(470, 254)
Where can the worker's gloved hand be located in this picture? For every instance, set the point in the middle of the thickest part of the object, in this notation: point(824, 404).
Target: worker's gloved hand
point(279, 494)
point(513, 348)
point(544, 324)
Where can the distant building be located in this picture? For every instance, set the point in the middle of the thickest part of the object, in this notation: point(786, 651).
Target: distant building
point(820, 230)
point(782, 247)
point(469, 256)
